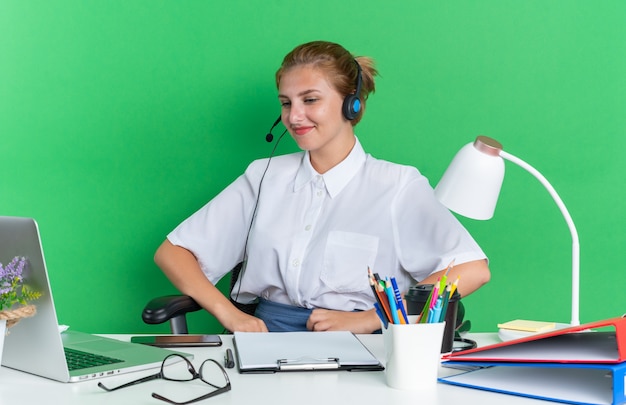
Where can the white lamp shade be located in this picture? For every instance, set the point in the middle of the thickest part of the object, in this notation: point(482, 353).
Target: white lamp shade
point(471, 184)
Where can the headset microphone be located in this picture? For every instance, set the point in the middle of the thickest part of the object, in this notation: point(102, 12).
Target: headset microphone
point(270, 137)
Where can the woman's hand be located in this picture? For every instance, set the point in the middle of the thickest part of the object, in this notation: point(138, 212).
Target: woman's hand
point(238, 321)
point(355, 322)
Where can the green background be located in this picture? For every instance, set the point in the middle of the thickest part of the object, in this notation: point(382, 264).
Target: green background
point(118, 119)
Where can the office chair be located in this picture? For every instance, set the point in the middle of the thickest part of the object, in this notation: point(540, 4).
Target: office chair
point(174, 308)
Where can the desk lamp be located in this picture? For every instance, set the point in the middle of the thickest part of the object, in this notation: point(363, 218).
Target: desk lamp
point(471, 185)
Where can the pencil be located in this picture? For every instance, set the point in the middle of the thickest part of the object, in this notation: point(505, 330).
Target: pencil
point(444, 307)
point(435, 295)
point(380, 298)
point(424, 313)
point(454, 286)
point(392, 303)
point(444, 279)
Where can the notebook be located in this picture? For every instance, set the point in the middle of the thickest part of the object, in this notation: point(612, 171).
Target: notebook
point(35, 345)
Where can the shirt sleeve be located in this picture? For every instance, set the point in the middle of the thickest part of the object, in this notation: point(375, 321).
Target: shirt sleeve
point(427, 235)
point(216, 233)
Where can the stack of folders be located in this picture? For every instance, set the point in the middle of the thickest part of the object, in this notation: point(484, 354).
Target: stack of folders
point(583, 364)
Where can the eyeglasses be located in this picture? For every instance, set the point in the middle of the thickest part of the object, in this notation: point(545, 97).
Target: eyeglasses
point(178, 368)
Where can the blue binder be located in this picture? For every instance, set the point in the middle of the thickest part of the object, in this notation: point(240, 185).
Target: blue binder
point(570, 383)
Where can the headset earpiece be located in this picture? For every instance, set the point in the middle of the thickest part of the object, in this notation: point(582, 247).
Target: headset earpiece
point(352, 103)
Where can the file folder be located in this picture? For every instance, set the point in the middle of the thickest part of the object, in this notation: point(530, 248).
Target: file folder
point(302, 351)
point(571, 383)
point(575, 344)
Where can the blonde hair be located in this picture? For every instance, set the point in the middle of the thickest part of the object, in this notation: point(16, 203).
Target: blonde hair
point(338, 65)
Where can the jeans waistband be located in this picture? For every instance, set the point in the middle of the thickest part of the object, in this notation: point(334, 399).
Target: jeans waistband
point(281, 317)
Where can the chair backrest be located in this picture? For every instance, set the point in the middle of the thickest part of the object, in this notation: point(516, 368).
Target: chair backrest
point(234, 276)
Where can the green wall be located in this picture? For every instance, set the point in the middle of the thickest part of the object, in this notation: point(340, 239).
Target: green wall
point(118, 119)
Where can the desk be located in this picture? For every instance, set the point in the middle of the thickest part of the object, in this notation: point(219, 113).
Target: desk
point(302, 388)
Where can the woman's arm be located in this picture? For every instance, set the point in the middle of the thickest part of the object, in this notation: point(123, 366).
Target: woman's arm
point(182, 269)
point(473, 275)
point(355, 322)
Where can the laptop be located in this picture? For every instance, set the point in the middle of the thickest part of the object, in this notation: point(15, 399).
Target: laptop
point(35, 345)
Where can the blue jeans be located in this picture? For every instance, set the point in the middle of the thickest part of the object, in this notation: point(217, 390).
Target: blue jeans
point(284, 318)
point(281, 317)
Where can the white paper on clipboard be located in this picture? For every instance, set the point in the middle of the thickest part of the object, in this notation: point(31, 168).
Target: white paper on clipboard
point(296, 351)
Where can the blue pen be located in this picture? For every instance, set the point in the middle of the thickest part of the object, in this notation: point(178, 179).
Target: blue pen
point(399, 303)
point(392, 303)
point(380, 315)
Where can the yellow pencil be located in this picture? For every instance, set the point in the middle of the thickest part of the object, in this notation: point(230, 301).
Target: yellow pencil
point(454, 286)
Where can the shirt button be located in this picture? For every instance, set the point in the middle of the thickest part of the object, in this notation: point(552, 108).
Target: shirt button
point(319, 193)
point(307, 228)
point(295, 263)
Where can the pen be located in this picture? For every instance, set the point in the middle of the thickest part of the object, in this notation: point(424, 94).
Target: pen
point(398, 297)
point(382, 317)
point(229, 360)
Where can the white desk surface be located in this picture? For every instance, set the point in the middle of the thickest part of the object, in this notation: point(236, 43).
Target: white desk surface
point(302, 388)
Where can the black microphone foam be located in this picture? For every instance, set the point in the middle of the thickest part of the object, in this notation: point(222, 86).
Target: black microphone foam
point(270, 137)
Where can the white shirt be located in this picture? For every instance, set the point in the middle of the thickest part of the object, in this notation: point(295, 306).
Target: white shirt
point(314, 236)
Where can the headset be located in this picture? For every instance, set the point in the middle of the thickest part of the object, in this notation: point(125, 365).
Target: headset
point(352, 103)
point(350, 108)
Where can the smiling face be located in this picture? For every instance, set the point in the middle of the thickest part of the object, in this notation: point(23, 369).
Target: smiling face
point(311, 111)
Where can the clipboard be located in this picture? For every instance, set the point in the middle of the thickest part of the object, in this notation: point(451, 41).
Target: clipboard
point(575, 344)
point(572, 383)
point(259, 352)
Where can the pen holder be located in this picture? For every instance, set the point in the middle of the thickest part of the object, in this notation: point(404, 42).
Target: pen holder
point(417, 296)
point(412, 354)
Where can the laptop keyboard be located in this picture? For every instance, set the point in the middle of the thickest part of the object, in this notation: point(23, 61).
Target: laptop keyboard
point(77, 360)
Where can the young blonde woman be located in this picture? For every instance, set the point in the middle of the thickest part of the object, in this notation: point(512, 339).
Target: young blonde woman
point(309, 224)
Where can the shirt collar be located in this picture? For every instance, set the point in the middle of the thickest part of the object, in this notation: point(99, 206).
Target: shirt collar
point(336, 178)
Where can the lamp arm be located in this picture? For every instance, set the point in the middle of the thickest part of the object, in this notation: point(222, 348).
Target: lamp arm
point(575, 321)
